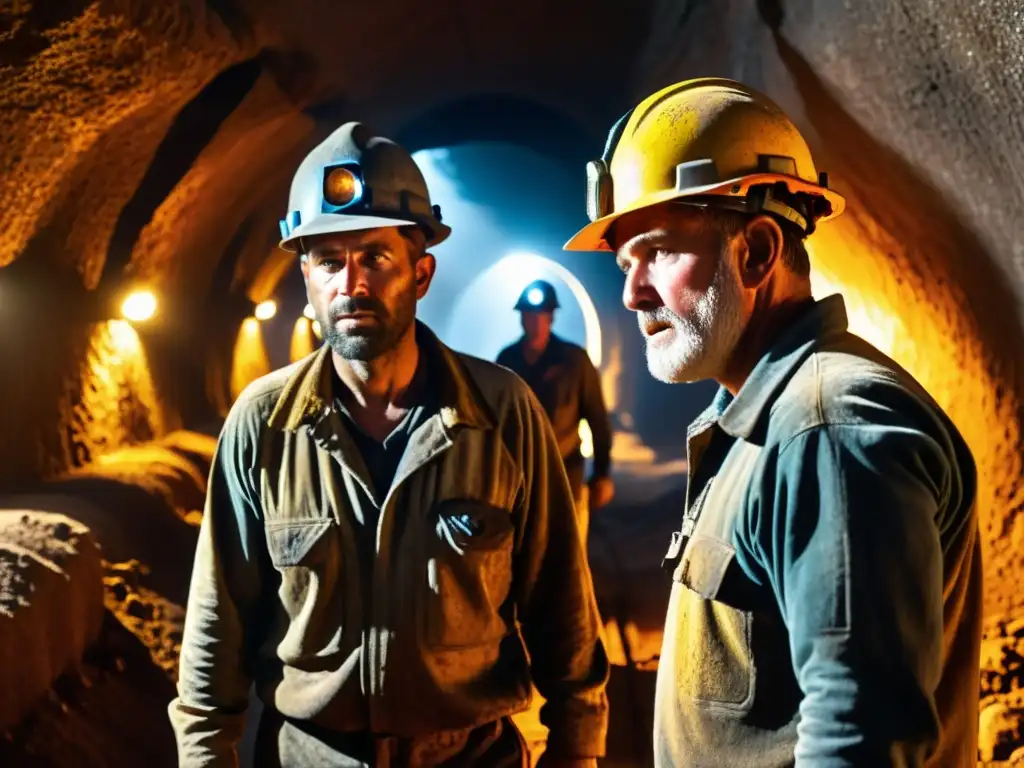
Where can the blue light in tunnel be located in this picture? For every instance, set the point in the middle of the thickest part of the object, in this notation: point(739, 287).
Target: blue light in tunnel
point(481, 273)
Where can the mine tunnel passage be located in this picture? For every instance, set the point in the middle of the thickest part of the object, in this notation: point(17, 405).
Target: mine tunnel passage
point(212, 187)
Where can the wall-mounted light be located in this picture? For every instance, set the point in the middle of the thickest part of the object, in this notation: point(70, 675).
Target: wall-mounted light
point(139, 306)
point(265, 310)
point(308, 312)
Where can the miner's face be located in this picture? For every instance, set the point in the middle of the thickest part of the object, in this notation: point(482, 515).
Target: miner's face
point(364, 286)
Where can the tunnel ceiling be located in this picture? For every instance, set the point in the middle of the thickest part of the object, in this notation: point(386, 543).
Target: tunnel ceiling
point(144, 137)
point(157, 139)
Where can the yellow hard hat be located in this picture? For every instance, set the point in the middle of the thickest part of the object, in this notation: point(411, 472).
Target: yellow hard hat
point(707, 142)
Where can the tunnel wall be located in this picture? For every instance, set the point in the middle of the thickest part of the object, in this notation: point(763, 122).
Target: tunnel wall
point(88, 91)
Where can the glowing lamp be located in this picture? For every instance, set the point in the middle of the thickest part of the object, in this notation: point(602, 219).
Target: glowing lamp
point(342, 187)
point(308, 312)
point(265, 310)
point(535, 296)
point(139, 306)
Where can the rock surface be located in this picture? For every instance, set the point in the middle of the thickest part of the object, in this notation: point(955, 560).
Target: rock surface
point(51, 604)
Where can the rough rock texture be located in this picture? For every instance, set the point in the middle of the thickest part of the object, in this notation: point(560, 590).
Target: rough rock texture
point(111, 709)
point(172, 470)
point(89, 90)
point(51, 604)
point(80, 391)
point(110, 713)
point(154, 620)
point(87, 94)
point(1002, 691)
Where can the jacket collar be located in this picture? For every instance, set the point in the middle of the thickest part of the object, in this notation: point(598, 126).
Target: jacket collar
point(307, 397)
point(739, 416)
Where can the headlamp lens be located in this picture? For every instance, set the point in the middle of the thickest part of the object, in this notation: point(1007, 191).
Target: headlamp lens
point(342, 187)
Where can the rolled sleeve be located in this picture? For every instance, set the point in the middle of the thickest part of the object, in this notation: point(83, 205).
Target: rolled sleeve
point(850, 543)
point(555, 597)
point(213, 683)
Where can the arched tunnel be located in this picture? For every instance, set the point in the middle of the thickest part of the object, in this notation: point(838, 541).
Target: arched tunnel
point(150, 146)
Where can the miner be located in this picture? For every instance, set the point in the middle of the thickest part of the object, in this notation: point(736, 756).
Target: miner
point(826, 576)
point(389, 550)
point(568, 385)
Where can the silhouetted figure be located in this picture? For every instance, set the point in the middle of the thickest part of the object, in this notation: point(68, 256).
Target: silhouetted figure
point(569, 387)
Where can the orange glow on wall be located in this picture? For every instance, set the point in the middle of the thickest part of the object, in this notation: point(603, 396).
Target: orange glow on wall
point(249, 360)
point(116, 382)
point(923, 331)
point(302, 340)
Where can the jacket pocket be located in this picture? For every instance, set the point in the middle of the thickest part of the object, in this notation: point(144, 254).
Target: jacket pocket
point(291, 542)
point(307, 555)
point(712, 654)
point(469, 574)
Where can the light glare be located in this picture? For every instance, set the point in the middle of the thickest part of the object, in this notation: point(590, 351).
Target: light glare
point(139, 306)
point(265, 310)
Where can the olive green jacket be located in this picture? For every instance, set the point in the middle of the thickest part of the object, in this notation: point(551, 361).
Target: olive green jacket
point(467, 584)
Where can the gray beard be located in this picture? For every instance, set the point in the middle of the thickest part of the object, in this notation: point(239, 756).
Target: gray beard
point(704, 339)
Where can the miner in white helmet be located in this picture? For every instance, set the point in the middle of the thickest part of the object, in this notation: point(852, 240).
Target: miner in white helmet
point(826, 601)
point(389, 549)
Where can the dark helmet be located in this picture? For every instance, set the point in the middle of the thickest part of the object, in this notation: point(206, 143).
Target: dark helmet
point(538, 296)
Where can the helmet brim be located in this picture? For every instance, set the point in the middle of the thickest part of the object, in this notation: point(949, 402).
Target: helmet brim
point(329, 223)
point(593, 237)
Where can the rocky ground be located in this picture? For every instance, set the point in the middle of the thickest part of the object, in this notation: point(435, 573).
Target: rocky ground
point(1001, 739)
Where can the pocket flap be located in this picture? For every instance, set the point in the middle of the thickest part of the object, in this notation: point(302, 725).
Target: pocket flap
point(468, 524)
point(704, 564)
point(291, 541)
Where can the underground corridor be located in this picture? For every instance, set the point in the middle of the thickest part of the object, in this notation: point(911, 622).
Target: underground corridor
point(147, 155)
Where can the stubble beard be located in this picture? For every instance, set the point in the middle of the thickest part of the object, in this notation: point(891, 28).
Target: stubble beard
point(367, 343)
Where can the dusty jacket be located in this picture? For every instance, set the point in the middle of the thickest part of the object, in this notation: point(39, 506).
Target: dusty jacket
point(473, 585)
point(826, 596)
